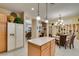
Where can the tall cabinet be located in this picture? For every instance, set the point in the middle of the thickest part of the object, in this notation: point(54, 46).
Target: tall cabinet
point(15, 36)
point(11, 36)
point(19, 35)
point(3, 21)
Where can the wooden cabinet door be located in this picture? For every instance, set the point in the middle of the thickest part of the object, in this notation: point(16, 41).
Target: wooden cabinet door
point(3, 18)
point(3, 40)
point(33, 50)
point(46, 52)
point(19, 35)
point(11, 36)
point(52, 47)
point(45, 49)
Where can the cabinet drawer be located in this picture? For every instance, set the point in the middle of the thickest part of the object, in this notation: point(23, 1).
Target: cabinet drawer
point(46, 52)
point(45, 46)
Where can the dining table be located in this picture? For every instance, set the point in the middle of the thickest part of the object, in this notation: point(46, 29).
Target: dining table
point(61, 39)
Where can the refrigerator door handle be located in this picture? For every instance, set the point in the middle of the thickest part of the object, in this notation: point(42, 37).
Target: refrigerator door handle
point(12, 34)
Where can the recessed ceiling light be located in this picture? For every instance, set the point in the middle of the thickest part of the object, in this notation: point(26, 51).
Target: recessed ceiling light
point(32, 8)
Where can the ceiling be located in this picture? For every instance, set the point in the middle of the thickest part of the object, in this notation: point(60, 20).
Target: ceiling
point(65, 9)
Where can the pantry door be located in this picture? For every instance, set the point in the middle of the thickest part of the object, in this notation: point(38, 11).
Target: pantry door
point(3, 37)
point(11, 36)
point(3, 33)
point(19, 35)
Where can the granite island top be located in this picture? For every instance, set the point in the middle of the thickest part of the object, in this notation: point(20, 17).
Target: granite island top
point(40, 41)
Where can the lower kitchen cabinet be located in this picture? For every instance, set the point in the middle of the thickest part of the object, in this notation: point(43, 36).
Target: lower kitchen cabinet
point(47, 49)
point(52, 47)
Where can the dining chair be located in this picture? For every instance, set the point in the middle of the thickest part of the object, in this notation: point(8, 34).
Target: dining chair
point(57, 39)
point(71, 43)
point(50, 35)
point(62, 41)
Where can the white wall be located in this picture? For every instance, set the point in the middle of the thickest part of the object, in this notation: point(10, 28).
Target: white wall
point(69, 20)
point(7, 12)
point(4, 11)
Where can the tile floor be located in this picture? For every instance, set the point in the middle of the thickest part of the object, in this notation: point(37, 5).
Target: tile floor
point(59, 51)
point(68, 52)
point(18, 52)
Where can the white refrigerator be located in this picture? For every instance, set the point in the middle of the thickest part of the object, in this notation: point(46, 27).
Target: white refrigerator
point(15, 36)
point(19, 35)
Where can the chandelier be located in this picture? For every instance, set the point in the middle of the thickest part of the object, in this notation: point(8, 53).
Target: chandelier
point(46, 13)
point(59, 22)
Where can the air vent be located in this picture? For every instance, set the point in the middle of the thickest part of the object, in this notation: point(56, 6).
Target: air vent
point(52, 3)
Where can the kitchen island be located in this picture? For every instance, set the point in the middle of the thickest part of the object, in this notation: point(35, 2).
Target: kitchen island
point(43, 46)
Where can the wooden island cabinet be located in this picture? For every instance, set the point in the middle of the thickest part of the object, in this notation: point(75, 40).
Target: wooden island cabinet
point(44, 46)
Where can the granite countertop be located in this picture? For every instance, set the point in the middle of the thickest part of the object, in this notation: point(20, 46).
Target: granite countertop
point(40, 41)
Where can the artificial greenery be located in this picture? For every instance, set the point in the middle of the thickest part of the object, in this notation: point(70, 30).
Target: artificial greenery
point(18, 20)
point(14, 18)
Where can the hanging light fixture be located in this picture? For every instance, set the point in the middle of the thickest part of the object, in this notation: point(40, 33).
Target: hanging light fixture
point(60, 21)
point(38, 16)
point(46, 13)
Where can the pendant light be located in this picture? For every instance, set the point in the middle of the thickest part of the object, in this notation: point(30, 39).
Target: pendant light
point(46, 13)
point(38, 16)
point(60, 21)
